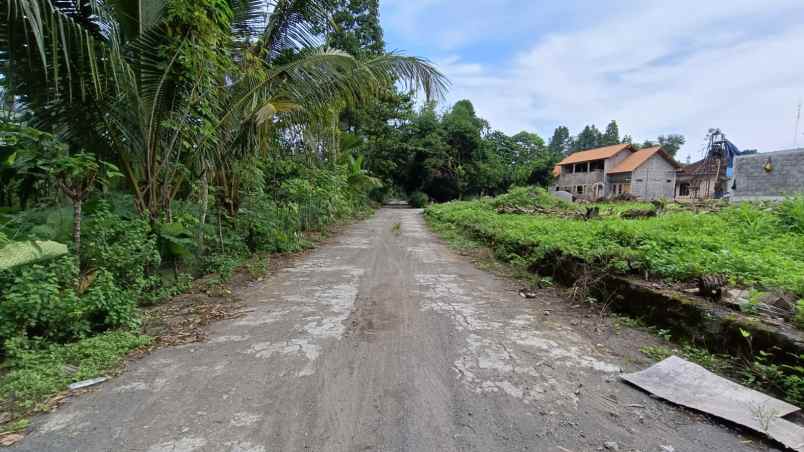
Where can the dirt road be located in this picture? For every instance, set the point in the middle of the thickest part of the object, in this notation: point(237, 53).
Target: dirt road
point(384, 340)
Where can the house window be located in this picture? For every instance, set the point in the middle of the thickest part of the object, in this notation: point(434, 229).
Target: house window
point(619, 189)
point(582, 167)
point(579, 189)
point(597, 165)
point(684, 189)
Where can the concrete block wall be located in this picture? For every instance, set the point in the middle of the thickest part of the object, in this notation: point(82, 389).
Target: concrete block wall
point(654, 179)
point(752, 181)
point(592, 177)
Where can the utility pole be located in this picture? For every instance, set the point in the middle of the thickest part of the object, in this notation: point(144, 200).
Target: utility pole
point(798, 121)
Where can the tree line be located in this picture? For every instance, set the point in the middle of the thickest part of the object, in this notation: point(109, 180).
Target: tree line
point(563, 143)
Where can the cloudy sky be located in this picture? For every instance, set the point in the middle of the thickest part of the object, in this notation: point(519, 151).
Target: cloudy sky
point(657, 67)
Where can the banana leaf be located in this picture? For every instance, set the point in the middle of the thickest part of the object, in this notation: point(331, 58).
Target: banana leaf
point(15, 254)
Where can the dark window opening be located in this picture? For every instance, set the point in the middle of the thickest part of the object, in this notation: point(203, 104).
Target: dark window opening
point(582, 167)
point(597, 165)
point(684, 190)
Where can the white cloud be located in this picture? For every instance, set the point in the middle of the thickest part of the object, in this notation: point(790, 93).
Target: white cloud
point(656, 68)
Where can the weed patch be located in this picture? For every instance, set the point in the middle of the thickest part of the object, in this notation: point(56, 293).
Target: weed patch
point(35, 371)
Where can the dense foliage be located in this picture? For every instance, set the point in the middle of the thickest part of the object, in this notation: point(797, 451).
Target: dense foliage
point(452, 154)
point(753, 246)
point(145, 143)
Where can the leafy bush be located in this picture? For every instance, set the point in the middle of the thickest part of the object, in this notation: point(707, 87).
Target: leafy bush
point(528, 197)
point(106, 305)
point(791, 212)
point(38, 301)
point(125, 247)
point(43, 300)
point(268, 227)
point(417, 200)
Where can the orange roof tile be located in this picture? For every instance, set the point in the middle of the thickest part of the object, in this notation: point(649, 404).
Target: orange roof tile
point(595, 154)
point(556, 171)
point(639, 157)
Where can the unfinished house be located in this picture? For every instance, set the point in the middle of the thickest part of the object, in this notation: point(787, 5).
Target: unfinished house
point(705, 179)
point(648, 173)
point(584, 173)
point(614, 170)
point(708, 178)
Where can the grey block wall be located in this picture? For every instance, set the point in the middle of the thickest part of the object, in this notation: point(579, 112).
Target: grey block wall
point(654, 179)
point(752, 181)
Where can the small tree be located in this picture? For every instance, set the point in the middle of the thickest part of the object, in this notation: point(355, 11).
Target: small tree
point(672, 143)
point(77, 176)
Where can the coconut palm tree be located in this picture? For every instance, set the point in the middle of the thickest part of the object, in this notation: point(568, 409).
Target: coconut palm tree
point(169, 89)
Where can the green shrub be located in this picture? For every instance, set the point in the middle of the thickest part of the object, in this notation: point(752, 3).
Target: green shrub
point(528, 197)
point(799, 316)
point(107, 306)
point(40, 301)
point(268, 227)
point(418, 199)
point(125, 247)
point(791, 212)
point(222, 264)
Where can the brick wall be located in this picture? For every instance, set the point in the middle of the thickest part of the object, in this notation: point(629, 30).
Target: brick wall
point(752, 181)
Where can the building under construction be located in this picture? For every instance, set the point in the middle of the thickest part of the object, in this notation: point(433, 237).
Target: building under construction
point(708, 178)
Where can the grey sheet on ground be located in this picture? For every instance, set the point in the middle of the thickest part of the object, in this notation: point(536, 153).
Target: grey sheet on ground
point(684, 383)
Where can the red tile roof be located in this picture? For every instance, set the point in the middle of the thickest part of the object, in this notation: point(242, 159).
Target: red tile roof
point(556, 171)
point(595, 154)
point(639, 157)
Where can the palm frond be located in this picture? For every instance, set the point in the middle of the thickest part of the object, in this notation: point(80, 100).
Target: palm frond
point(292, 24)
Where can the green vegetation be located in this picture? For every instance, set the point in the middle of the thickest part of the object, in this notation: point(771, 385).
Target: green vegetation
point(35, 370)
point(418, 200)
point(144, 144)
point(753, 246)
